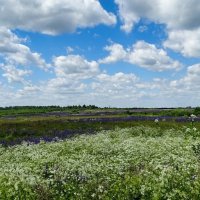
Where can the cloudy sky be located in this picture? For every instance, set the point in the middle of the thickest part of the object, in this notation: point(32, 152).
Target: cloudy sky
point(123, 53)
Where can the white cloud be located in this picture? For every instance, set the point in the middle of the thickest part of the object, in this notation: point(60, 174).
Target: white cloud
point(15, 75)
point(126, 90)
point(119, 89)
point(142, 54)
point(69, 50)
point(175, 13)
point(55, 91)
point(31, 88)
point(31, 92)
point(184, 41)
point(70, 73)
point(117, 79)
point(14, 52)
point(63, 86)
point(117, 52)
point(190, 82)
point(150, 57)
point(142, 29)
point(116, 85)
point(53, 17)
point(75, 67)
point(182, 19)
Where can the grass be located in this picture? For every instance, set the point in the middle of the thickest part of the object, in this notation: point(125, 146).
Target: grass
point(39, 110)
point(24, 128)
point(124, 160)
point(50, 121)
point(141, 162)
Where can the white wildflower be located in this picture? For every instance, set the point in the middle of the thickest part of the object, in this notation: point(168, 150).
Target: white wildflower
point(156, 121)
point(187, 130)
point(194, 129)
point(193, 116)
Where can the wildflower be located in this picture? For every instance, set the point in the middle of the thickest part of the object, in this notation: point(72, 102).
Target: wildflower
point(193, 116)
point(194, 129)
point(187, 130)
point(156, 120)
point(93, 195)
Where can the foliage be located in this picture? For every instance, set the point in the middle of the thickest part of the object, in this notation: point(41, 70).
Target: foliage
point(177, 112)
point(132, 163)
point(36, 110)
point(17, 110)
point(197, 111)
point(15, 130)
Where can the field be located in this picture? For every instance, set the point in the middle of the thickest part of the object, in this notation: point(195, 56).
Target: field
point(100, 154)
point(35, 123)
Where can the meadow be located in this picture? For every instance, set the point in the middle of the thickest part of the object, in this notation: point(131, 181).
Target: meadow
point(122, 156)
point(32, 123)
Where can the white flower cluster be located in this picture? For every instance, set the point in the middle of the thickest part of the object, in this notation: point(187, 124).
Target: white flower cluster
point(156, 120)
point(108, 165)
point(193, 117)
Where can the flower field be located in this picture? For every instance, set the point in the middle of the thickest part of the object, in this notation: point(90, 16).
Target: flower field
point(131, 163)
point(34, 128)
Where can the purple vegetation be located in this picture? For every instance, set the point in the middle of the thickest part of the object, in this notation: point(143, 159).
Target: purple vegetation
point(63, 134)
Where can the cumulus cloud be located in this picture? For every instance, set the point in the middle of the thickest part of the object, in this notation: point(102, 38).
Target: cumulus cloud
point(182, 19)
point(142, 54)
point(117, 52)
point(176, 14)
point(118, 81)
point(114, 88)
point(53, 17)
point(70, 73)
point(15, 75)
point(119, 89)
point(190, 82)
point(31, 92)
point(184, 41)
point(129, 90)
point(14, 52)
point(149, 57)
point(63, 86)
point(75, 67)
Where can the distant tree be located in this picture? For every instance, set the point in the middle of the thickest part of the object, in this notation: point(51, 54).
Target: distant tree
point(197, 111)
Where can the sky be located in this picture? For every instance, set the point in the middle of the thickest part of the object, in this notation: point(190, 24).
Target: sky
point(117, 53)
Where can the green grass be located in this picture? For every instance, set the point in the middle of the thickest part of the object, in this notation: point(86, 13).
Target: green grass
point(141, 162)
point(27, 110)
point(24, 127)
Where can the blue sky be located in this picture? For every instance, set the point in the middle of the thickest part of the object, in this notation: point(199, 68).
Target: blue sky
point(123, 53)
